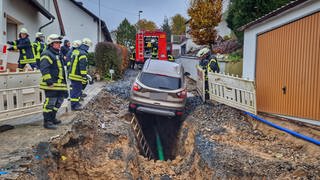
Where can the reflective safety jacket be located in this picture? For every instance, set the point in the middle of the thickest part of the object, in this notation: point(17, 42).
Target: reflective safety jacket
point(133, 56)
point(38, 48)
point(51, 67)
point(213, 66)
point(25, 48)
point(78, 65)
point(154, 53)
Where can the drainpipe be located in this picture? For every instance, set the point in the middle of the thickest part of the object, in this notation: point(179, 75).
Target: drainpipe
point(56, 6)
point(51, 21)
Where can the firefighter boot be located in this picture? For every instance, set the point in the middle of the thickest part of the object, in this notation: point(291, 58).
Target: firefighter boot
point(54, 119)
point(47, 122)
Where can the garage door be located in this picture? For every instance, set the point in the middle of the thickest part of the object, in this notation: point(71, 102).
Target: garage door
point(288, 69)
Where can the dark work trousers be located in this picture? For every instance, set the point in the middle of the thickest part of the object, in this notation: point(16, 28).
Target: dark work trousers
point(75, 93)
point(52, 103)
point(132, 63)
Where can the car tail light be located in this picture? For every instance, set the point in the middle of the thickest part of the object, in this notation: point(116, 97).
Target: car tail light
point(133, 106)
point(4, 49)
point(1, 68)
point(179, 113)
point(136, 87)
point(182, 94)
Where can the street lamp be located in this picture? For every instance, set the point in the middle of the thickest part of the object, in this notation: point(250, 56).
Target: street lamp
point(139, 14)
point(138, 28)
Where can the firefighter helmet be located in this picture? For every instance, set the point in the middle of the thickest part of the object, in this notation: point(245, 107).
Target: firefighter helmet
point(76, 43)
point(87, 41)
point(54, 38)
point(39, 35)
point(24, 31)
point(203, 52)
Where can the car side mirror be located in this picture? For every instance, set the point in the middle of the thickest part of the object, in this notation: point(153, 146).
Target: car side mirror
point(186, 74)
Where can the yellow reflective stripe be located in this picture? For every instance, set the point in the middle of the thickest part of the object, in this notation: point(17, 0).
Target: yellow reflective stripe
point(82, 57)
point(77, 78)
point(46, 57)
point(83, 72)
point(53, 88)
point(38, 47)
point(54, 84)
point(74, 66)
point(75, 52)
point(74, 99)
point(60, 75)
point(45, 106)
point(55, 109)
point(46, 76)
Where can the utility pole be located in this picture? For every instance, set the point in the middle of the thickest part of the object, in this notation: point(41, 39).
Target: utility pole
point(99, 35)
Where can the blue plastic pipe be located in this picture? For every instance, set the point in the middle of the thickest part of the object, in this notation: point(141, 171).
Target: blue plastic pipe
point(301, 136)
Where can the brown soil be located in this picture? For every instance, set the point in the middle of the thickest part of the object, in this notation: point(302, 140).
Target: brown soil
point(214, 142)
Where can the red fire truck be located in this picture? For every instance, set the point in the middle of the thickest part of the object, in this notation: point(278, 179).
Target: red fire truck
point(149, 41)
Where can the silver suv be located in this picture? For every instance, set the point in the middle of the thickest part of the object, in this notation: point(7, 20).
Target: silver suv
point(159, 89)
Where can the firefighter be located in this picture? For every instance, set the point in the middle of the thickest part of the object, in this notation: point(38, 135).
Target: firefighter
point(65, 48)
point(132, 57)
point(53, 81)
point(213, 65)
point(38, 47)
point(154, 53)
point(78, 72)
point(207, 62)
point(24, 46)
point(75, 45)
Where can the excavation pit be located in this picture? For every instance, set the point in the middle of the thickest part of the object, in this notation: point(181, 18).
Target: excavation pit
point(161, 134)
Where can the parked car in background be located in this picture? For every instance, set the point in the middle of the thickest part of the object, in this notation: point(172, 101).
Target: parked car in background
point(159, 89)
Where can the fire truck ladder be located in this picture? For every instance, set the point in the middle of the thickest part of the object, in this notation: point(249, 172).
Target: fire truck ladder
point(140, 137)
point(140, 46)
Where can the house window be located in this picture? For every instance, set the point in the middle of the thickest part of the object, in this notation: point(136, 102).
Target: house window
point(12, 28)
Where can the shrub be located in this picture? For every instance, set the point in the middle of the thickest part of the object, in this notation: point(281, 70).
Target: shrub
point(235, 56)
point(108, 56)
point(124, 57)
point(90, 57)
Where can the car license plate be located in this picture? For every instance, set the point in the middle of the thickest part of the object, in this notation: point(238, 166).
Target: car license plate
point(159, 96)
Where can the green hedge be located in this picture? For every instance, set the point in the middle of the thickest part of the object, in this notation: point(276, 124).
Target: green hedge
point(108, 56)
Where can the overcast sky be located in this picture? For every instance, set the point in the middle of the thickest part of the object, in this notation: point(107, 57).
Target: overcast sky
point(114, 11)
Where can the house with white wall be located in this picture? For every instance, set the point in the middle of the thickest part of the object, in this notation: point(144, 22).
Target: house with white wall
point(281, 54)
point(66, 17)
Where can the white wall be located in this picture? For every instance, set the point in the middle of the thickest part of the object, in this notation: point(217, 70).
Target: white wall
point(2, 21)
point(21, 11)
point(250, 34)
point(25, 14)
point(77, 23)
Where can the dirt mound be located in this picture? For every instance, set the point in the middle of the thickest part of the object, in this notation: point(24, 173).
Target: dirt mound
point(214, 142)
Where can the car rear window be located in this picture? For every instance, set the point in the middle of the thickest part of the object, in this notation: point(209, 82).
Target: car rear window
point(160, 81)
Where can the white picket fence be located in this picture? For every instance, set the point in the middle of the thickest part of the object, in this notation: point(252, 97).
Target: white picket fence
point(20, 94)
point(233, 91)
